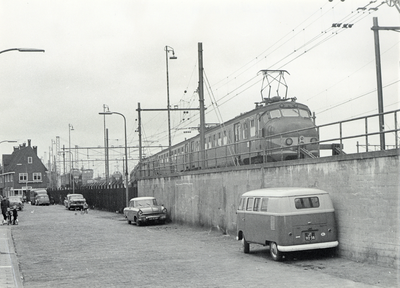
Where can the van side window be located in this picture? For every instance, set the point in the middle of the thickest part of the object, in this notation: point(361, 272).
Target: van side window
point(264, 204)
point(241, 204)
point(256, 204)
point(306, 202)
point(249, 206)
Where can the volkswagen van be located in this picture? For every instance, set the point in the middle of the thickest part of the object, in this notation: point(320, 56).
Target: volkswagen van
point(286, 220)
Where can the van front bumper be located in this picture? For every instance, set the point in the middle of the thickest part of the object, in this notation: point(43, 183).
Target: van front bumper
point(323, 245)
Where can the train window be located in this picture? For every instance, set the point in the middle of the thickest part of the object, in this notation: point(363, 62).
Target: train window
point(225, 140)
point(274, 114)
point(245, 128)
point(219, 141)
point(304, 113)
point(291, 112)
point(236, 132)
point(252, 128)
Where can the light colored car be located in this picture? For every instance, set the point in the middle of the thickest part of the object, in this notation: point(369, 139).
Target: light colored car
point(74, 201)
point(145, 209)
point(16, 201)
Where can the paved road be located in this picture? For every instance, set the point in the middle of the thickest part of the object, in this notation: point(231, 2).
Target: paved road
point(60, 248)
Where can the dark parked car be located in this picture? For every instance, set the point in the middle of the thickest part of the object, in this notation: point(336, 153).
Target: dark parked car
point(16, 201)
point(42, 199)
point(145, 209)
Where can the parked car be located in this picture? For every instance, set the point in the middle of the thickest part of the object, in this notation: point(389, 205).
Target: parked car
point(42, 199)
point(16, 201)
point(145, 209)
point(35, 192)
point(74, 201)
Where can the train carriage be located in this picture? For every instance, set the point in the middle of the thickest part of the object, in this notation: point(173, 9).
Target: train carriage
point(277, 129)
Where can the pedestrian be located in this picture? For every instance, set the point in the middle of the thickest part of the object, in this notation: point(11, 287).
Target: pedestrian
point(5, 203)
point(15, 215)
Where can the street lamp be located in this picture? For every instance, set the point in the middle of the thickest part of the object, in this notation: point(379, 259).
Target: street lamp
point(22, 50)
point(173, 57)
point(71, 173)
point(8, 141)
point(126, 154)
point(70, 128)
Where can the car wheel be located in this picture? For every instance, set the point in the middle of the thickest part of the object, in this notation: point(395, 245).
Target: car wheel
point(275, 253)
point(137, 222)
point(129, 221)
point(245, 246)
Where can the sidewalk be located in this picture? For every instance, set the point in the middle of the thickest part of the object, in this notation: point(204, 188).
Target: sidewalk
point(9, 270)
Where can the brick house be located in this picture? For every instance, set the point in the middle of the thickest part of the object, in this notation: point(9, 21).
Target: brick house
point(22, 171)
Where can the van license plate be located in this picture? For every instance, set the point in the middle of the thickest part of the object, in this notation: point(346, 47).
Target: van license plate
point(309, 236)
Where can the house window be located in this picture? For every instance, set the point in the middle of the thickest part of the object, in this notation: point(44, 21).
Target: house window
point(23, 177)
point(29, 160)
point(37, 177)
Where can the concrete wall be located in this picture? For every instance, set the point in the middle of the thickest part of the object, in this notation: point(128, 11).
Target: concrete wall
point(364, 189)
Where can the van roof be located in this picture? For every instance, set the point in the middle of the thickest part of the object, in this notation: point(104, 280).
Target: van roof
point(283, 192)
point(143, 198)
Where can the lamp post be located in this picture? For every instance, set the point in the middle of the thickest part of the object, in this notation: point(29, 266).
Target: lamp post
point(173, 57)
point(8, 141)
point(70, 173)
point(22, 50)
point(70, 128)
point(126, 154)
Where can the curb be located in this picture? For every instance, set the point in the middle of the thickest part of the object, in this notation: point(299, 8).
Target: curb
point(8, 260)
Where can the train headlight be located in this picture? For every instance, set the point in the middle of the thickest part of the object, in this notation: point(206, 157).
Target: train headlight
point(313, 140)
point(289, 141)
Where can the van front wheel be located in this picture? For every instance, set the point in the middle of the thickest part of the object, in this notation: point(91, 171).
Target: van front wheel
point(275, 253)
point(246, 246)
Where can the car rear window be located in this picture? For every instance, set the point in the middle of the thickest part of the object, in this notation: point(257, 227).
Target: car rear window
point(306, 202)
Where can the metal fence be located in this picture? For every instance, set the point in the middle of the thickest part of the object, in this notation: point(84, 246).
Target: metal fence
point(347, 137)
point(106, 198)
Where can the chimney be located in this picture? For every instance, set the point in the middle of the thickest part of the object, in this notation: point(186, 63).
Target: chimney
point(29, 142)
point(35, 149)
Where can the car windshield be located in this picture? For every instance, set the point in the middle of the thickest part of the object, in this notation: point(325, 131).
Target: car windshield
point(75, 196)
point(146, 202)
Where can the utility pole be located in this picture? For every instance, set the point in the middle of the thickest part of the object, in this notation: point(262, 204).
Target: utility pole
point(201, 102)
point(376, 29)
point(140, 132)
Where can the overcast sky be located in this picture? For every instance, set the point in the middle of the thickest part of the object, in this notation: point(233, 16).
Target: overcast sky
point(112, 52)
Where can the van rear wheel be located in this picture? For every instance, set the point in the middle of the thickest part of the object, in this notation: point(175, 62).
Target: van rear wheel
point(275, 253)
point(246, 246)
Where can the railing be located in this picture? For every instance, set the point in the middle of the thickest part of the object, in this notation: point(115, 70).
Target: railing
point(339, 137)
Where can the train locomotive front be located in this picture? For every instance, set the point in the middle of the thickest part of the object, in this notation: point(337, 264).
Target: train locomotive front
point(289, 131)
